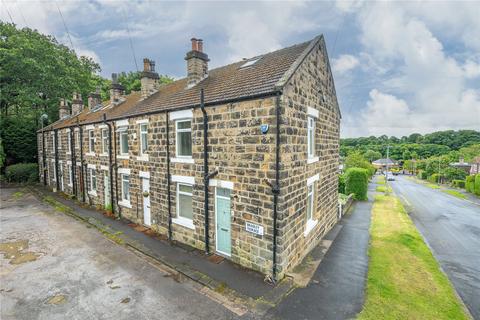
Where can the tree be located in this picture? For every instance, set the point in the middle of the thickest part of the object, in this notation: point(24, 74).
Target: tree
point(372, 155)
point(35, 72)
point(356, 160)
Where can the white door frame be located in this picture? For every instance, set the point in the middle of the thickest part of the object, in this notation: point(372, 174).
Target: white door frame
point(216, 220)
point(60, 174)
point(146, 178)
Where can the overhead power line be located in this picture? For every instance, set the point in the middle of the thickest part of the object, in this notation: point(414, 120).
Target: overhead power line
point(8, 12)
point(65, 26)
point(130, 39)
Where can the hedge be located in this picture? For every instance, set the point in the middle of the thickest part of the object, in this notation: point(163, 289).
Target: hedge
point(341, 183)
point(477, 185)
point(434, 178)
point(470, 183)
point(22, 172)
point(422, 175)
point(356, 182)
point(458, 183)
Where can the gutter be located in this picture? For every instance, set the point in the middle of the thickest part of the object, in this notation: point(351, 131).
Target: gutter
point(169, 201)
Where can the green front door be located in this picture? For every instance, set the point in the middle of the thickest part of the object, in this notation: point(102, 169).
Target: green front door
point(223, 217)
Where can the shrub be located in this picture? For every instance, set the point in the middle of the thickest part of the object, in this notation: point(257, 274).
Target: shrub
point(22, 172)
point(476, 186)
point(458, 183)
point(422, 175)
point(356, 182)
point(341, 183)
point(470, 183)
point(434, 178)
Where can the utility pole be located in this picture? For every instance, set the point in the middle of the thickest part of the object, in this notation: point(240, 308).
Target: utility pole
point(388, 160)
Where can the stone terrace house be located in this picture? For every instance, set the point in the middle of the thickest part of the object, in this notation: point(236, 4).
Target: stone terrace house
point(240, 161)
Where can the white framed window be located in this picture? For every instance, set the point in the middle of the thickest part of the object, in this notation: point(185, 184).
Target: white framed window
point(69, 142)
point(77, 139)
point(184, 205)
point(125, 186)
point(91, 141)
point(92, 173)
point(104, 140)
point(70, 174)
point(143, 138)
point(53, 142)
point(311, 136)
point(183, 129)
point(123, 142)
point(310, 205)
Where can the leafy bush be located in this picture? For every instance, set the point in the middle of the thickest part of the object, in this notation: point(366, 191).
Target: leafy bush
point(356, 160)
point(458, 183)
point(434, 178)
point(470, 183)
point(341, 183)
point(477, 185)
point(422, 175)
point(356, 182)
point(22, 172)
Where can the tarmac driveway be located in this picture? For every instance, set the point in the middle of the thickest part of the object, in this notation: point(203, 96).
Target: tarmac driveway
point(55, 267)
point(451, 227)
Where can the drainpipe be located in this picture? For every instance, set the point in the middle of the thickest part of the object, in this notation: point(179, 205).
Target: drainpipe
point(82, 174)
point(44, 158)
point(110, 165)
point(276, 186)
point(57, 178)
point(112, 143)
point(169, 201)
point(73, 160)
point(206, 177)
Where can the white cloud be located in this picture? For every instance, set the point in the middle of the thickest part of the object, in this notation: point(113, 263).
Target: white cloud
point(471, 69)
point(344, 63)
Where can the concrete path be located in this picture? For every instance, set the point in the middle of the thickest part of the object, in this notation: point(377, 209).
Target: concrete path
point(55, 267)
point(336, 290)
point(451, 227)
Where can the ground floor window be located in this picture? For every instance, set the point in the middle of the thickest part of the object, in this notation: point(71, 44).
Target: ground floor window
point(184, 201)
point(310, 208)
point(93, 180)
point(70, 174)
point(125, 188)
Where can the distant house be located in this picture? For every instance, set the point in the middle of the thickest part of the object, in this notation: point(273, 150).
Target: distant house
point(461, 164)
point(382, 163)
point(475, 166)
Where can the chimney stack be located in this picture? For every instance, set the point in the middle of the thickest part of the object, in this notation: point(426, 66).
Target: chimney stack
point(77, 104)
point(197, 63)
point(94, 100)
point(149, 80)
point(63, 111)
point(117, 91)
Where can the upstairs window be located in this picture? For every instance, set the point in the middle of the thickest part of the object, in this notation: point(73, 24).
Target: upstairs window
point(105, 141)
point(184, 138)
point(143, 138)
point(69, 141)
point(124, 142)
point(77, 140)
point(311, 136)
point(91, 141)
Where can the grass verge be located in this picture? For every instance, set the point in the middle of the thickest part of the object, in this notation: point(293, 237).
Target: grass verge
point(404, 279)
point(455, 193)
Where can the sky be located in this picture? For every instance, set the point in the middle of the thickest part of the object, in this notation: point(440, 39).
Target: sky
point(399, 67)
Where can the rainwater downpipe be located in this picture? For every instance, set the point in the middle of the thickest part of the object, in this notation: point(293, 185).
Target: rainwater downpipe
point(82, 174)
point(57, 178)
point(110, 164)
point(169, 200)
point(73, 160)
point(114, 143)
point(276, 186)
point(44, 157)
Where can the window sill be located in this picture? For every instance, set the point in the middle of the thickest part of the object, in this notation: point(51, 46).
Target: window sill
point(90, 154)
point(310, 225)
point(70, 185)
point(92, 193)
point(123, 157)
point(184, 222)
point(143, 157)
point(68, 152)
point(103, 154)
point(125, 204)
point(312, 160)
point(182, 160)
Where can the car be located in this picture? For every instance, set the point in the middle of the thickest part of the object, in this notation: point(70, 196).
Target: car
point(389, 176)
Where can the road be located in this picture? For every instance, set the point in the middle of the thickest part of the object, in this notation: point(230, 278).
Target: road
point(451, 227)
point(55, 267)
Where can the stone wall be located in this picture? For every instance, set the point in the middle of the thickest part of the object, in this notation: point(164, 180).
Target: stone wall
point(310, 86)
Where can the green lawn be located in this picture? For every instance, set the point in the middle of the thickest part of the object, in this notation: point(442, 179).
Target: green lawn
point(455, 193)
point(404, 279)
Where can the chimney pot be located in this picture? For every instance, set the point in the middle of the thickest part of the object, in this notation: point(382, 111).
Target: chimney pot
point(200, 45)
point(194, 44)
point(146, 64)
